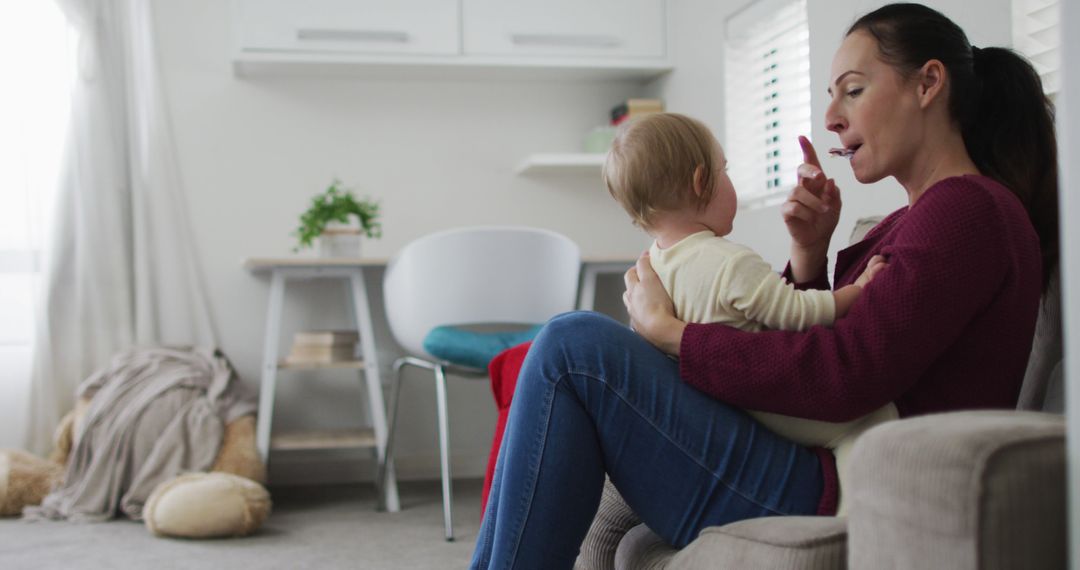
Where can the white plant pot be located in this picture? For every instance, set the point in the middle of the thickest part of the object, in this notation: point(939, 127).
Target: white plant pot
point(339, 243)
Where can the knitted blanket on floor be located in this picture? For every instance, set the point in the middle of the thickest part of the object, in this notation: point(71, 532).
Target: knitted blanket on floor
point(155, 413)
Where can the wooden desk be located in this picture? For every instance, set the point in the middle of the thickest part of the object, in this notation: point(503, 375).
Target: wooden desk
point(282, 269)
point(352, 270)
point(591, 269)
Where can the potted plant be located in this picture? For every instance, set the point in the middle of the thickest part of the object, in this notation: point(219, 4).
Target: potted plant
point(337, 219)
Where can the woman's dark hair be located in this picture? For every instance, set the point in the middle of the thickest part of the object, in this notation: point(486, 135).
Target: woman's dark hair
point(997, 97)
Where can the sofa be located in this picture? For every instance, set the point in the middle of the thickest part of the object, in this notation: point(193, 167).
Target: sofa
point(960, 490)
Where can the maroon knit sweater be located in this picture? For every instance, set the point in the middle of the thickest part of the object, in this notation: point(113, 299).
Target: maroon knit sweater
point(947, 325)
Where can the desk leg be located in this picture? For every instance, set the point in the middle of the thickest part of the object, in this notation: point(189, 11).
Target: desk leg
point(362, 313)
point(587, 292)
point(270, 365)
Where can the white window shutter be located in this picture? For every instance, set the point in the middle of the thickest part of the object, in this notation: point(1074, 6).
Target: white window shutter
point(1037, 35)
point(767, 98)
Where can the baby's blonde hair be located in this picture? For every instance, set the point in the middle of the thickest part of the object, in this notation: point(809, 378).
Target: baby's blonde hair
point(651, 165)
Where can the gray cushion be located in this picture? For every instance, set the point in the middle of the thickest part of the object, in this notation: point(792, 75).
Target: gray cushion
point(1055, 390)
point(1042, 380)
point(780, 543)
point(862, 226)
point(960, 490)
point(643, 549)
point(613, 520)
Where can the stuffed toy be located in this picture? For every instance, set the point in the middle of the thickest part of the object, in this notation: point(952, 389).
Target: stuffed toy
point(165, 439)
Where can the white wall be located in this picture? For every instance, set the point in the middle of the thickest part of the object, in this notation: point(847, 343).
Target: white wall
point(1069, 139)
point(437, 153)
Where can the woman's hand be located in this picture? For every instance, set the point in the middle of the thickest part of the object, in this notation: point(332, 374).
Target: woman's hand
point(652, 314)
point(811, 213)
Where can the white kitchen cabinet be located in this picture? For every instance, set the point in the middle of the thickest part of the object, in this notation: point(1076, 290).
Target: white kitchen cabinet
point(604, 29)
point(457, 39)
point(387, 27)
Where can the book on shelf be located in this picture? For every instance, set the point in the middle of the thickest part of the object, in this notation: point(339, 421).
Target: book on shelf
point(321, 347)
point(320, 354)
point(632, 108)
point(326, 338)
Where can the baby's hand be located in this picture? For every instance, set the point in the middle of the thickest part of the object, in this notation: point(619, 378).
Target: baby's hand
point(877, 263)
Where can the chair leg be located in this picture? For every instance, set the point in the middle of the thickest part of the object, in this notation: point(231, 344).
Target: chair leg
point(444, 450)
point(387, 465)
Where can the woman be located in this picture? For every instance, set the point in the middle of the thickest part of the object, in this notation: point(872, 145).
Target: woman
point(969, 135)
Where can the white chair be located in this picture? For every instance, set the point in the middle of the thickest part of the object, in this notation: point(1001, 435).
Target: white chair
point(469, 276)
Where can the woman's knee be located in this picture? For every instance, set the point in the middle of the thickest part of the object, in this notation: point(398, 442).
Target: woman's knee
point(579, 328)
point(584, 342)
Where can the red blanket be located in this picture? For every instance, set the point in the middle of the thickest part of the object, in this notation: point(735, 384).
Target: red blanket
point(503, 370)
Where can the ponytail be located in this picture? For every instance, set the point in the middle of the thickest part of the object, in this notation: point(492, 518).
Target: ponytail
point(1011, 139)
point(1006, 120)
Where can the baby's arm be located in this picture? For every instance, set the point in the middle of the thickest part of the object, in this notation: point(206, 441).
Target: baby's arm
point(750, 287)
point(759, 293)
point(846, 295)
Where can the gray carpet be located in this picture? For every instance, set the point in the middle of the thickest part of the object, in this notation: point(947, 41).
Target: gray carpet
point(310, 527)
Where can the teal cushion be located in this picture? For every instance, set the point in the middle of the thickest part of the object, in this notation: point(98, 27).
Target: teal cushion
point(473, 349)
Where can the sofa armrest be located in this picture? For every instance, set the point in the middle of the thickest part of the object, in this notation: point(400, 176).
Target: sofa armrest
point(962, 490)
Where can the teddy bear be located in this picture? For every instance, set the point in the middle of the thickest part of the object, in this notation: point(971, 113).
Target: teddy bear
point(227, 500)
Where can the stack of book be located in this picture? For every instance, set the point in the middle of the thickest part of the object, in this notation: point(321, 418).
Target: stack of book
point(635, 108)
point(318, 347)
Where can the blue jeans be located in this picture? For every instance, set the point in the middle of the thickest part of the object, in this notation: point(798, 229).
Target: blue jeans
point(594, 397)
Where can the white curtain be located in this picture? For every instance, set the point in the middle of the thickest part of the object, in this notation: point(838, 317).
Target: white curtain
point(121, 269)
point(35, 96)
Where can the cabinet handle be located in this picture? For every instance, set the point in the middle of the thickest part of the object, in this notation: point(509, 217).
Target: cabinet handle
point(325, 34)
point(574, 40)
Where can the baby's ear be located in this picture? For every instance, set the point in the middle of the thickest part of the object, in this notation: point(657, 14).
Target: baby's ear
point(699, 180)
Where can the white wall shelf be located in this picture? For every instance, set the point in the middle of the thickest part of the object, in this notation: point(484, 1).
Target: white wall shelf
point(253, 64)
point(564, 163)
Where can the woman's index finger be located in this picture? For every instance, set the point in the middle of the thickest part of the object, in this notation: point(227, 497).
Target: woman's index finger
point(809, 154)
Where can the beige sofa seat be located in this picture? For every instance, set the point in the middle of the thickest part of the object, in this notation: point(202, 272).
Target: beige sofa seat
point(979, 489)
point(961, 490)
point(814, 543)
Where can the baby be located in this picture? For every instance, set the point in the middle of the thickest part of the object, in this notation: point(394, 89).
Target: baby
point(669, 173)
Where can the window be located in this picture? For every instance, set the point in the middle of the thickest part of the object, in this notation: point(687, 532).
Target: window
point(1037, 35)
point(767, 97)
point(37, 54)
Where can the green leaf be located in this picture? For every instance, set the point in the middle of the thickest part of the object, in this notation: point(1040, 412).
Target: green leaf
point(336, 204)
